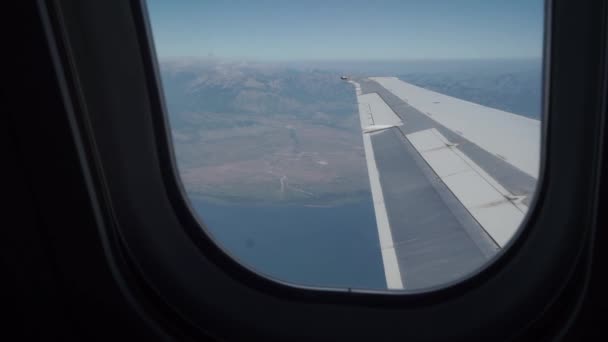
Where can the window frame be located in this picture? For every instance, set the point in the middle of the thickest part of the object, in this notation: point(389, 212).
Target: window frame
point(201, 284)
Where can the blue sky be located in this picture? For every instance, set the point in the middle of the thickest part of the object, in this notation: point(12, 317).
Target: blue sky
point(347, 30)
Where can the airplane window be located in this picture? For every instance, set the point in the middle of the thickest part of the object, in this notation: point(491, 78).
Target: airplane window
point(389, 145)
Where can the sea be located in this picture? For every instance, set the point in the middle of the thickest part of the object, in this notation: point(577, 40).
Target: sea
point(315, 246)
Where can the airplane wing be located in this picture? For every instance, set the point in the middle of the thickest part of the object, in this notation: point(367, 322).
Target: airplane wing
point(451, 180)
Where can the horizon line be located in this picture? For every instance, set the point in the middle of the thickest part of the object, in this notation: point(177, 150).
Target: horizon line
point(312, 60)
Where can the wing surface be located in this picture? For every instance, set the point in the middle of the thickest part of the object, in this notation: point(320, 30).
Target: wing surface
point(451, 180)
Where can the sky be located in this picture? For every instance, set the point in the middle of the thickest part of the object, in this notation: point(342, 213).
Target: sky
point(274, 30)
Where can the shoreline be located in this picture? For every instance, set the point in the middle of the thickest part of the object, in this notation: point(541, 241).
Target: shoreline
point(319, 203)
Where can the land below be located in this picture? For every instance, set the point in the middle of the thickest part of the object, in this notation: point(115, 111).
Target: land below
point(251, 133)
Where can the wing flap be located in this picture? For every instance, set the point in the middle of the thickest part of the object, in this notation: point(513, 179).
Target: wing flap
point(493, 209)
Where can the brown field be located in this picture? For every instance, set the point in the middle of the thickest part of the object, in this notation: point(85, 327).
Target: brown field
point(282, 159)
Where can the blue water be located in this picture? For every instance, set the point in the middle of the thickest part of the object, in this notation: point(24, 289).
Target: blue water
point(320, 246)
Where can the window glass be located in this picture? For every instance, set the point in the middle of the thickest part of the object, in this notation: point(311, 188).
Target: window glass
point(387, 145)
